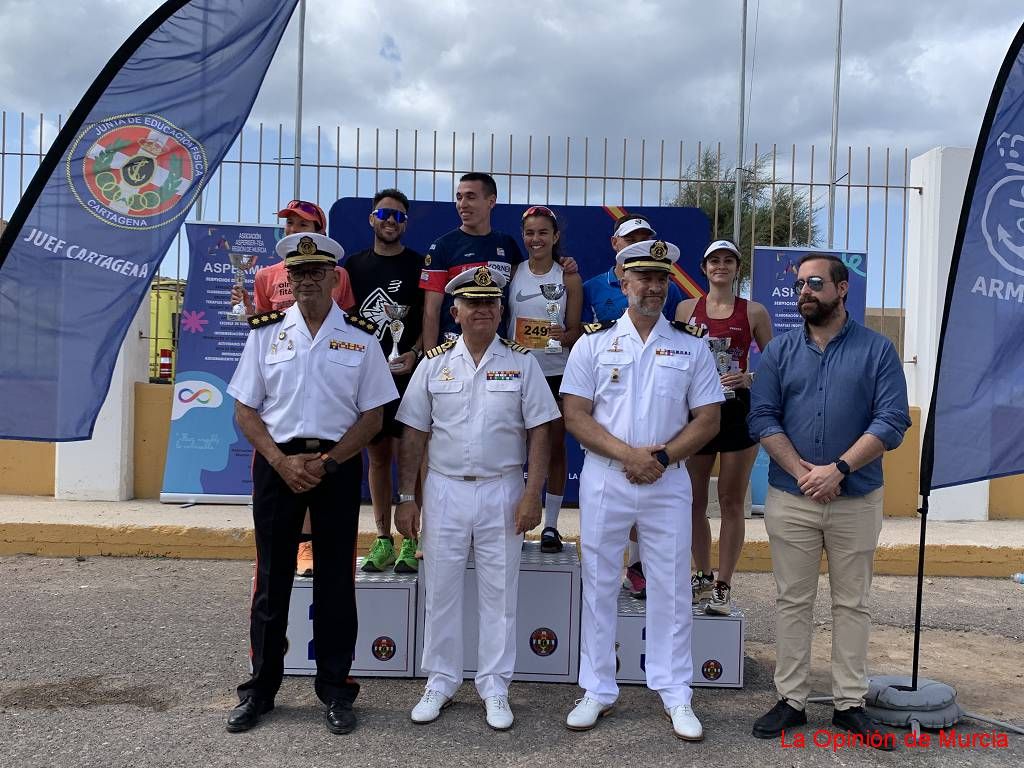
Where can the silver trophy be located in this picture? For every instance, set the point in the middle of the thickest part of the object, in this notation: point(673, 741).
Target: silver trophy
point(553, 292)
point(396, 313)
point(723, 360)
point(242, 263)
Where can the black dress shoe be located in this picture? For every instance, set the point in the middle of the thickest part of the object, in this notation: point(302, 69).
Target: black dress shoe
point(856, 721)
point(778, 719)
point(340, 717)
point(247, 714)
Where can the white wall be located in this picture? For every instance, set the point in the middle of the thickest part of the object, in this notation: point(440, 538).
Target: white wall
point(101, 469)
point(932, 220)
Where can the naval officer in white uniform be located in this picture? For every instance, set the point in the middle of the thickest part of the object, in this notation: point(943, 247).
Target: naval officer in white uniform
point(641, 394)
point(308, 389)
point(482, 400)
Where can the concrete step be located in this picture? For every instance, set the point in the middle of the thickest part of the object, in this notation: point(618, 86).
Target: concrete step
point(146, 528)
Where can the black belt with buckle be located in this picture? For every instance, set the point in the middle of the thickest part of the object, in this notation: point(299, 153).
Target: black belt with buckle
point(306, 445)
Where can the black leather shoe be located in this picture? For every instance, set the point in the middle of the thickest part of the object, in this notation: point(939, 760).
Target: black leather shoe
point(779, 718)
point(340, 717)
point(247, 714)
point(857, 722)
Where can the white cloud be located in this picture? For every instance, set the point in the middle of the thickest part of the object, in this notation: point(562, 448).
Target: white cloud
point(914, 75)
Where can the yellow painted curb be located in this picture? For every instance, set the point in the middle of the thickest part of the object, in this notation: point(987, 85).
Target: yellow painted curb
point(60, 540)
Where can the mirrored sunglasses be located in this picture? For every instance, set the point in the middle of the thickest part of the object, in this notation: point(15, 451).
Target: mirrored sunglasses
point(814, 283)
point(384, 214)
point(539, 210)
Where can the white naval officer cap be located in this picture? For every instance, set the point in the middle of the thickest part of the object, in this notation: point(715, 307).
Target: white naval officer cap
point(721, 245)
point(632, 225)
point(479, 283)
point(648, 255)
point(309, 248)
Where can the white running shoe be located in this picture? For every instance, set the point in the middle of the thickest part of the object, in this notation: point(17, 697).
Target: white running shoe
point(685, 724)
point(430, 706)
point(585, 714)
point(499, 713)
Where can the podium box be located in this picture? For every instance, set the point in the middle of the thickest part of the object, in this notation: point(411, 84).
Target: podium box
point(716, 646)
point(386, 607)
point(547, 619)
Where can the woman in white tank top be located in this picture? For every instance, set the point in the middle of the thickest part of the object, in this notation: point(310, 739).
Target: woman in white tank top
point(530, 325)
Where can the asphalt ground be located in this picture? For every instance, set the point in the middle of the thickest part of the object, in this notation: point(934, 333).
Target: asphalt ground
point(133, 662)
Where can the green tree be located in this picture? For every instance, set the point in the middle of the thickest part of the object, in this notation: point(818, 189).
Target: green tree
point(781, 218)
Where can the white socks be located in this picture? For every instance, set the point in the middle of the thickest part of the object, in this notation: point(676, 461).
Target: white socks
point(552, 504)
point(634, 552)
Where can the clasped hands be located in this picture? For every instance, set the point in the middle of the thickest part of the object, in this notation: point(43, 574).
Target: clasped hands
point(302, 471)
point(640, 465)
point(820, 483)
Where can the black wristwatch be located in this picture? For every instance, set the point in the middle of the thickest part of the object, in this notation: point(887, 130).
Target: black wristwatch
point(662, 458)
point(843, 467)
point(330, 465)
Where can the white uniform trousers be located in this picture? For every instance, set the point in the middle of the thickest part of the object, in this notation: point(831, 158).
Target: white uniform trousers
point(609, 505)
point(457, 513)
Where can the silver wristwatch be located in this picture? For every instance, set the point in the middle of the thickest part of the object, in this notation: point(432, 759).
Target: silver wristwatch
point(406, 497)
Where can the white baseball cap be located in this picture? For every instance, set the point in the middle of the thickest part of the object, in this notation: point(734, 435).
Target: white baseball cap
point(722, 245)
point(632, 225)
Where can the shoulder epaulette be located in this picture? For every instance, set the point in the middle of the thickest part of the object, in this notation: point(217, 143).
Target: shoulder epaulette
point(440, 349)
point(361, 323)
point(266, 318)
point(595, 327)
point(693, 330)
point(515, 346)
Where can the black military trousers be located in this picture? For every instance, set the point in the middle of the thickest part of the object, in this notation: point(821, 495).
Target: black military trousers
point(277, 516)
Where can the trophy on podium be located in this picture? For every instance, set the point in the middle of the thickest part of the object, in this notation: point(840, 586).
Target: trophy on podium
point(553, 292)
point(396, 313)
point(242, 263)
point(723, 360)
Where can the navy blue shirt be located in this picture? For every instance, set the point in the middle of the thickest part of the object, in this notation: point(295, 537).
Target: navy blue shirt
point(825, 401)
point(455, 252)
point(604, 300)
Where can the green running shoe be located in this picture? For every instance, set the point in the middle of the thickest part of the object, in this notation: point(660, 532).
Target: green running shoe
point(407, 562)
point(380, 556)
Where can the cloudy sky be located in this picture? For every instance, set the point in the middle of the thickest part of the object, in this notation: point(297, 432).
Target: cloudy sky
point(915, 74)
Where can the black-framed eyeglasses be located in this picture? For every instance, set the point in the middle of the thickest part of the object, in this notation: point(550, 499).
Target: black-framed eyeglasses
point(816, 284)
point(297, 275)
point(386, 213)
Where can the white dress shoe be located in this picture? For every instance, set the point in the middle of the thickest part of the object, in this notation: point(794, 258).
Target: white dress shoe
point(430, 706)
point(585, 714)
point(499, 713)
point(685, 724)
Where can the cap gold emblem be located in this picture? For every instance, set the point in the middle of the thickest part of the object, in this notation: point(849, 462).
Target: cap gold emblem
point(659, 250)
point(307, 247)
point(483, 277)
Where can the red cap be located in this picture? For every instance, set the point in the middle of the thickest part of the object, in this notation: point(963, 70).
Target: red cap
point(305, 210)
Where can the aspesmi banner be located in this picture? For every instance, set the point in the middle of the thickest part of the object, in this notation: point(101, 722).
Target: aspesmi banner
point(208, 458)
point(773, 273)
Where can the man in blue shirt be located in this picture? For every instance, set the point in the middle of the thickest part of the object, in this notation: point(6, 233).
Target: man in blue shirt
point(828, 400)
point(603, 298)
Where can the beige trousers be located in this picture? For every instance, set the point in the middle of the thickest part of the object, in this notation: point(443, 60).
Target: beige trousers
point(798, 529)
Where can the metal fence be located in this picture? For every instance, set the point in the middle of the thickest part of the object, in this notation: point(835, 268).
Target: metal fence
point(788, 184)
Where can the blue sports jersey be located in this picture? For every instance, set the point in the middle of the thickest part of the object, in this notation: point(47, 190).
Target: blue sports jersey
point(603, 298)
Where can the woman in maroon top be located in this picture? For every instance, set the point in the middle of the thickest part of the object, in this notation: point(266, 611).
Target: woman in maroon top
point(726, 316)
